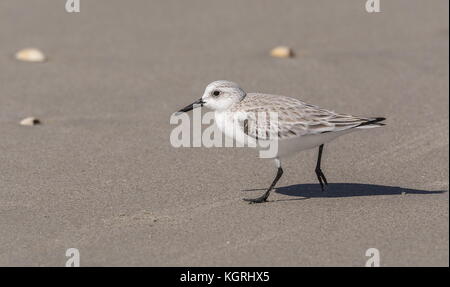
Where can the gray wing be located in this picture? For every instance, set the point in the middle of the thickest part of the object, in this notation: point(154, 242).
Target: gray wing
point(293, 118)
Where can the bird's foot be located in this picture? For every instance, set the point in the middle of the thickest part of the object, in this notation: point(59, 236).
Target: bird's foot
point(260, 199)
point(322, 179)
point(324, 187)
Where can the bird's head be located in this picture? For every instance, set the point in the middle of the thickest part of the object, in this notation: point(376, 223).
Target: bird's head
point(218, 96)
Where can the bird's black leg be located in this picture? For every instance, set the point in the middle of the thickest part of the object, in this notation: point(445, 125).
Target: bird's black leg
point(264, 197)
point(320, 176)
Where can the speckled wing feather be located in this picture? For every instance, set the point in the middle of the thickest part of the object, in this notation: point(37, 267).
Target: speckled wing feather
point(295, 118)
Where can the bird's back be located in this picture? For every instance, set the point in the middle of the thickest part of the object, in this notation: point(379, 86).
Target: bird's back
point(294, 117)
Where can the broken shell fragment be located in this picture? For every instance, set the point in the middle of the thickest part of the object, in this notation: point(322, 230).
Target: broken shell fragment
point(30, 55)
point(282, 52)
point(30, 121)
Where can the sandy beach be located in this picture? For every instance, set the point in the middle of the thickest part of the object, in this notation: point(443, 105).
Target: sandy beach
point(100, 175)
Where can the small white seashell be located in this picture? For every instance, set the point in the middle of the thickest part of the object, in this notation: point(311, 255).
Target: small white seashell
point(282, 52)
point(30, 121)
point(30, 55)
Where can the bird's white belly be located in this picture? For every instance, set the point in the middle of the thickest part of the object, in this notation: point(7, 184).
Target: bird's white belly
point(285, 147)
point(289, 146)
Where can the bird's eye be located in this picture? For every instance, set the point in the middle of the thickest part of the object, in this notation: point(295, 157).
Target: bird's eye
point(216, 93)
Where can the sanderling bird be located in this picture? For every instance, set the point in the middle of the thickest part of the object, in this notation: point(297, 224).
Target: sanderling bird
point(300, 126)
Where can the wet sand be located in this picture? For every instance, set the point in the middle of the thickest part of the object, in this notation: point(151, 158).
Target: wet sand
point(100, 174)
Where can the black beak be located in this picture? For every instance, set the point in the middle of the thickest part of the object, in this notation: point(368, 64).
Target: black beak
point(195, 104)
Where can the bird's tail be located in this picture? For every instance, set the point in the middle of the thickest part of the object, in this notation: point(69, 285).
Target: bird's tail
point(372, 123)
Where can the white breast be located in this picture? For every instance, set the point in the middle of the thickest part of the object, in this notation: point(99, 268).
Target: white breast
point(228, 123)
